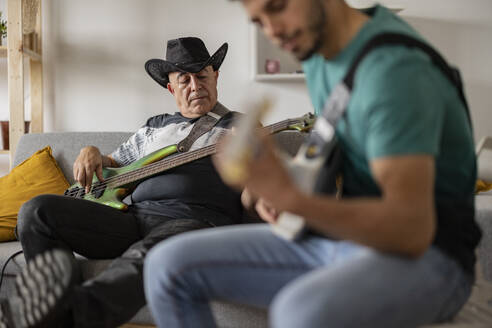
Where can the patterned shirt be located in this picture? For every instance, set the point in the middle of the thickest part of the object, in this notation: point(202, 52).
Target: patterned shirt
point(161, 131)
point(190, 191)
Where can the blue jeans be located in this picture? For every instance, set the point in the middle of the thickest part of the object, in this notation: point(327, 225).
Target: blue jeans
point(316, 282)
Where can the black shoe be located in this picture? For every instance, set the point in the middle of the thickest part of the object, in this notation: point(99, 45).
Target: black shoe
point(43, 292)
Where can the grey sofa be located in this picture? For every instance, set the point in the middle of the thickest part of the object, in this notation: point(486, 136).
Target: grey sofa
point(66, 146)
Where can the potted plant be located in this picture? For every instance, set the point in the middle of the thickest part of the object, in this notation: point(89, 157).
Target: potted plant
point(3, 28)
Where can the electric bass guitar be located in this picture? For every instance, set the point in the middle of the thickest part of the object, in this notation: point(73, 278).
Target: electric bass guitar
point(120, 182)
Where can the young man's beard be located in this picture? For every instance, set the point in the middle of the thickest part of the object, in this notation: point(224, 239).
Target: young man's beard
point(316, 28)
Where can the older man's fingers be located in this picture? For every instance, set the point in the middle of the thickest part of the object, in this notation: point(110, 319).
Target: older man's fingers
point(88, 179)
point(99, 173)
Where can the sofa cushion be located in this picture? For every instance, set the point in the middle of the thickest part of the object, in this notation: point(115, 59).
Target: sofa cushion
point(66, 146)
point(39, 174)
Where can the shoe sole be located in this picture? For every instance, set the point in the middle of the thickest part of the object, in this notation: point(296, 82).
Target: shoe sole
point(42, 288)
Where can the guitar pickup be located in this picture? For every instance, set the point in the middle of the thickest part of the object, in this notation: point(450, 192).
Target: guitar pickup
point(97, 190)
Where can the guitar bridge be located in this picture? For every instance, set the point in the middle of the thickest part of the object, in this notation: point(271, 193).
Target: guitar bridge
point(76, 192)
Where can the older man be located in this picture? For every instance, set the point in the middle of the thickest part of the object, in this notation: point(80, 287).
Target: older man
point(398, 249)
point(184, 198)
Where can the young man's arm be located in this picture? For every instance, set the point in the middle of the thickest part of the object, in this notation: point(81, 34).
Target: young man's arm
point(401, 221)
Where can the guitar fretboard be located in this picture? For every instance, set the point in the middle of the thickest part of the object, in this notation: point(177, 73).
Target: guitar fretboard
point(178, 159)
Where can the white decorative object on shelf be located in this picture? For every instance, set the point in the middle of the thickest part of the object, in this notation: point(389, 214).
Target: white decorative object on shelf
point(280, 77)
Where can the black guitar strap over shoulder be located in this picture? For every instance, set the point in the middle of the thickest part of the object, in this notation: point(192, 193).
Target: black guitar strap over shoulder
point(322, 141)
point(387, 39)
point(202, 126)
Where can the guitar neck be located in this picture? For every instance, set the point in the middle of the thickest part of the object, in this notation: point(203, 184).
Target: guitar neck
point(180, 159)
point(162, 165)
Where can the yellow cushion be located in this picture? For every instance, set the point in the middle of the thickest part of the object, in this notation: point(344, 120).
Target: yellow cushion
point(39, 174)
point(482, 186)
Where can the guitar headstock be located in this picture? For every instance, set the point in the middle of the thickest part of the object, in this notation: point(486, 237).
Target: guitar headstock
point(303, 123)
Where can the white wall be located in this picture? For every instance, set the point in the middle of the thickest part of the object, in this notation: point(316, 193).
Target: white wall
point(95, 50)
point(462, 32)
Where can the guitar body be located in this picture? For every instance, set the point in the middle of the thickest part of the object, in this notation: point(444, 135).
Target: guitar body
point(109, 196)
point(104, 193)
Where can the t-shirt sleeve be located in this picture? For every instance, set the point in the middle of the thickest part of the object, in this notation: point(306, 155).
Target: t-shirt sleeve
point(132, 149)
point(404, 117)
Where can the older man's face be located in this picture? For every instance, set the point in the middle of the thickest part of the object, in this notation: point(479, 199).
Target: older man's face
point(195, 93)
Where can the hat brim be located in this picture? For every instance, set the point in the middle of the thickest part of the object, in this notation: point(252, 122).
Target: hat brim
point(159, 69)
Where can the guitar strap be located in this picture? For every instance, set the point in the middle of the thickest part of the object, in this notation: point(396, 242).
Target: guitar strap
point(202, 126)
point(322, 142)
point(317, 163)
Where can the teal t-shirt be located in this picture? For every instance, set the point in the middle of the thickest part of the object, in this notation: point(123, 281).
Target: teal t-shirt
point(402, 104)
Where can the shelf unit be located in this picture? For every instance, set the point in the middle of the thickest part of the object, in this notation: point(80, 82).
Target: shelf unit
point(16, 52)
point(262, 49)
point(280, 77)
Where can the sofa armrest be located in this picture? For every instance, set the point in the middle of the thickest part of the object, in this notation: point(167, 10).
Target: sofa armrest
point(483, 205)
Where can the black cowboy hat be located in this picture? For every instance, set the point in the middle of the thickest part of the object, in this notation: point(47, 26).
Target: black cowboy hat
point(184, 55)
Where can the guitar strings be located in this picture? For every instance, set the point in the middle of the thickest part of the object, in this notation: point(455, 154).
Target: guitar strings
point(124, 177)
point(208, 150)
point(154, 167)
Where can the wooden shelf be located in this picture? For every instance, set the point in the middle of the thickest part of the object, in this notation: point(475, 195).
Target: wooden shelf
point(394, 10)
point(4, 152)
point(33, 55)
point(365, 4)
point(280, 77)
point(17, 50)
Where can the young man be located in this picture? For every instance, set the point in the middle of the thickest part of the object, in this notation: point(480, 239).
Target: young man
point(398, 249)
point(187, 197)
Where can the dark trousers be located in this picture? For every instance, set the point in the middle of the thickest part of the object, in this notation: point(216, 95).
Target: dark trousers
point(98, 232)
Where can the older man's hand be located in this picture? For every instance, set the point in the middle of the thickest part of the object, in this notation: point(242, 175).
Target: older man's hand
point(89, 161)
